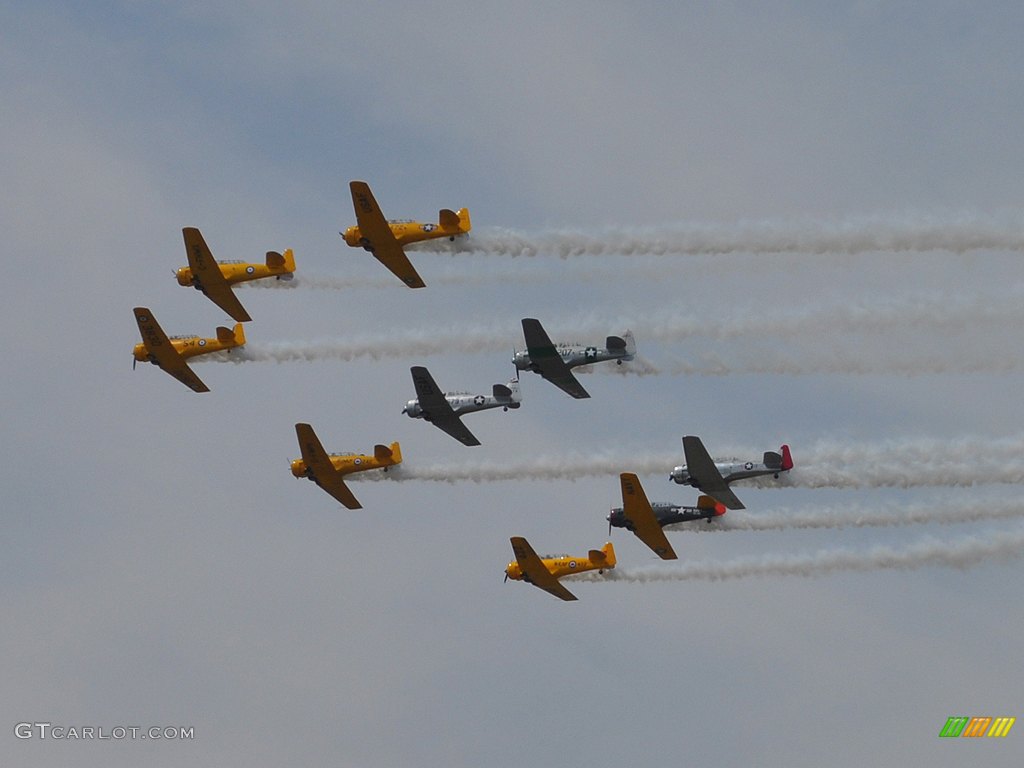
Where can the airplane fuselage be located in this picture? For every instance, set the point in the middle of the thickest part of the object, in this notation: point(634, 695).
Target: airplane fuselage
point(571, 355)
point(465, 402)
point(237, 272)
point(186, 346)
point(730, 472)
point(666, 513)
point(559, 566)
point(405, 232)
point(346, 463)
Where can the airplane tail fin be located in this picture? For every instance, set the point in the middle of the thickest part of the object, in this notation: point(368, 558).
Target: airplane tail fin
point(630, 344)
point(605, 556)
point(707, 504)
point(233, 337)
point(396, 453)
point(787, 459)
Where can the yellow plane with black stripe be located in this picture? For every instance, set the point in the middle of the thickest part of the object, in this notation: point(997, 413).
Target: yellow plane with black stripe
point(215, 278)
point(329, 469)
point(171, 353)
point(544, 572)
point(384, 238)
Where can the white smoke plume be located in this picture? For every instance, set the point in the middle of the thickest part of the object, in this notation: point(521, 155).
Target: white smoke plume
point(859, 516)
point(922, 234)
point(932, 314)
point(910, 463)
point(958, 553)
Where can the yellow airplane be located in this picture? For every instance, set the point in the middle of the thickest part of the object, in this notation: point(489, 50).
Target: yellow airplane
point(328, 469)
point(170, 353)
point(545, 572)
point(215, 278)
point(384, 238)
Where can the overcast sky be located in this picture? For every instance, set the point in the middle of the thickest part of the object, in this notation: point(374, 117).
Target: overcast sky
point(809, 214)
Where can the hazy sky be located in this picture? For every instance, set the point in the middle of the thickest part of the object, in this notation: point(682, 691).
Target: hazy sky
point(809, 214)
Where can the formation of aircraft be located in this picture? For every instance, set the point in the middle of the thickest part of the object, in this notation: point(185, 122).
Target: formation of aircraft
point(544, 572)
point(553, 362)
point(384, 238)
point(713, 478)
point(328, 470)
point(445, 409)
point(215, 278)
point(646, 519)
point(170, 353)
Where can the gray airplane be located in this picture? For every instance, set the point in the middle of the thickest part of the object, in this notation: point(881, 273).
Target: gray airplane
point(646, 519)
point(445, 409)
point(713, 478)
point(553, 362)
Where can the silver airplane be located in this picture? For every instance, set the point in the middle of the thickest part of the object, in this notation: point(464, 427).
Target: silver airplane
point(445, 409)
point(553, 362)
point(647, 519)
point(713, 478)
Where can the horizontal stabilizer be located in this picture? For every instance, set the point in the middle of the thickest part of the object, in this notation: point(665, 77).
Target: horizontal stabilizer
point(234, 337)
point(772, 460)
point(381, 452)
point(275, 259)
point(615, 343)
point(448, 219)
point(706, 502)
point(501, 392)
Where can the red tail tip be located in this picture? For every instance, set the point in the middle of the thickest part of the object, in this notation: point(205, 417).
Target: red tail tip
point(719, 509)
point(787, 459)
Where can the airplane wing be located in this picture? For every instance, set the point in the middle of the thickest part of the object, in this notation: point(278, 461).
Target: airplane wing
point(703, 470)
point(167, 357)
point(324, 473)
point(380, 239)
point(637, 510)
point(544, 355)
point(437, 409)
point(535, 572)
point(207, 272)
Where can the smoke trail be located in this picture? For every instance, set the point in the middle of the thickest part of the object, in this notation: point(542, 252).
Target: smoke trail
point(313, 281)
point(565, 467)
point(959, 553)
point(917, 314)
point(847, 362)
point(410, 343)
point(965, 462)
point(966, 233)
point(860, 516)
